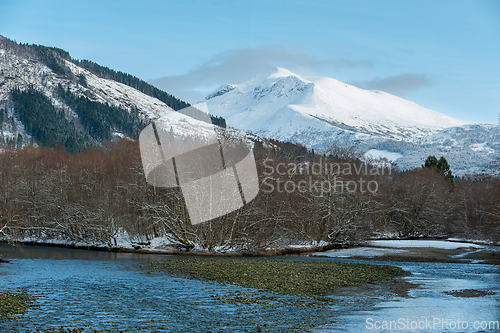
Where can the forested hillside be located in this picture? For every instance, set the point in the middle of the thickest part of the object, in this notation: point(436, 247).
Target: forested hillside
point(142, 86)
point(100, 197)
point(54, 57)
point(47, 98)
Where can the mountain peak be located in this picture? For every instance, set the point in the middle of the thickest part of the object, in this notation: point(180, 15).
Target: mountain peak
point(321, 112)
point(321, 102)
point(282, 72)
point(225, 88)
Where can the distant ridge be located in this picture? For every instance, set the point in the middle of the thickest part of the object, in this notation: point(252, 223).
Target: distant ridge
point(321, 113)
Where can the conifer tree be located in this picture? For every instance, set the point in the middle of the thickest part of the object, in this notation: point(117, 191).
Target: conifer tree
point(442, 166)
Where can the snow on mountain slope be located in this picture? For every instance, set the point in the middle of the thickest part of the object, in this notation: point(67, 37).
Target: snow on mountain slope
point(469, 149)
point(376, 154)
point(477, 135)
point(118, 94)
point(285, 105)
point(322, 112)
point(21, 69)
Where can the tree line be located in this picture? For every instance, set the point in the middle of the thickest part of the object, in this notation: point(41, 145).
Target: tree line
point(98, 195)
point(132, 81)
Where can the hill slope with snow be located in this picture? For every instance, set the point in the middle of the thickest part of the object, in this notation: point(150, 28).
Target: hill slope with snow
point(43, 70)
point(285, 104)
point(321, 112)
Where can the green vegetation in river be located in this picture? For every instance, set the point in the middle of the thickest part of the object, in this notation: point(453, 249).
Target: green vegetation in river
point(469, 293)
point(309, 283)
point(16, 303)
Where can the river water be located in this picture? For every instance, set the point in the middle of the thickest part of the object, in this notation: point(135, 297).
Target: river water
point(109, 291)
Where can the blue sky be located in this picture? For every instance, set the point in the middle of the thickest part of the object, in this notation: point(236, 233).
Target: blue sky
point(443, 55)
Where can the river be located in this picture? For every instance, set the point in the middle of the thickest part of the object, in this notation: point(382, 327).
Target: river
point(109, 291)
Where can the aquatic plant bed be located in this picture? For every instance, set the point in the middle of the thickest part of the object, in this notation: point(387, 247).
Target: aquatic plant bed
point(312, 281)
point(469, 293)
point(15, 303)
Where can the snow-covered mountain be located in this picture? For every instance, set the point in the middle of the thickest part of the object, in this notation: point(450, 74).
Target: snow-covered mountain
point(321, 112)
point(44, 70)
point(286, 104)
point(317, 112)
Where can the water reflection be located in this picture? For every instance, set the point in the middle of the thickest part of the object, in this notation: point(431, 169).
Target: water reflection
point(58, 253)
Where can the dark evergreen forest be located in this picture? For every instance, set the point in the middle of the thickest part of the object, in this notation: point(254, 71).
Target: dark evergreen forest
point(99, 119)
point(45, 124)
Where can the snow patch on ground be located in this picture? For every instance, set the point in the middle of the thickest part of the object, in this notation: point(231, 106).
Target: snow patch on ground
point(482, 147)
point(358, 252)
point(380, 248)
point(438, 244)
point(376, 154)
point(121, 240)
point(61, 241)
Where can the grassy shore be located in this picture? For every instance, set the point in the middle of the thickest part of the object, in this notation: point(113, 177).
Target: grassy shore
point(311, 281)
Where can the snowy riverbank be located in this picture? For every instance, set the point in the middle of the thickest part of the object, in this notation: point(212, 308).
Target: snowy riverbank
point(450, 250)
point(420, 251)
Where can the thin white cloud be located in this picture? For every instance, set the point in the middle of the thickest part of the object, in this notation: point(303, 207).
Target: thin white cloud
point(400, 85)
point(238, 65)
